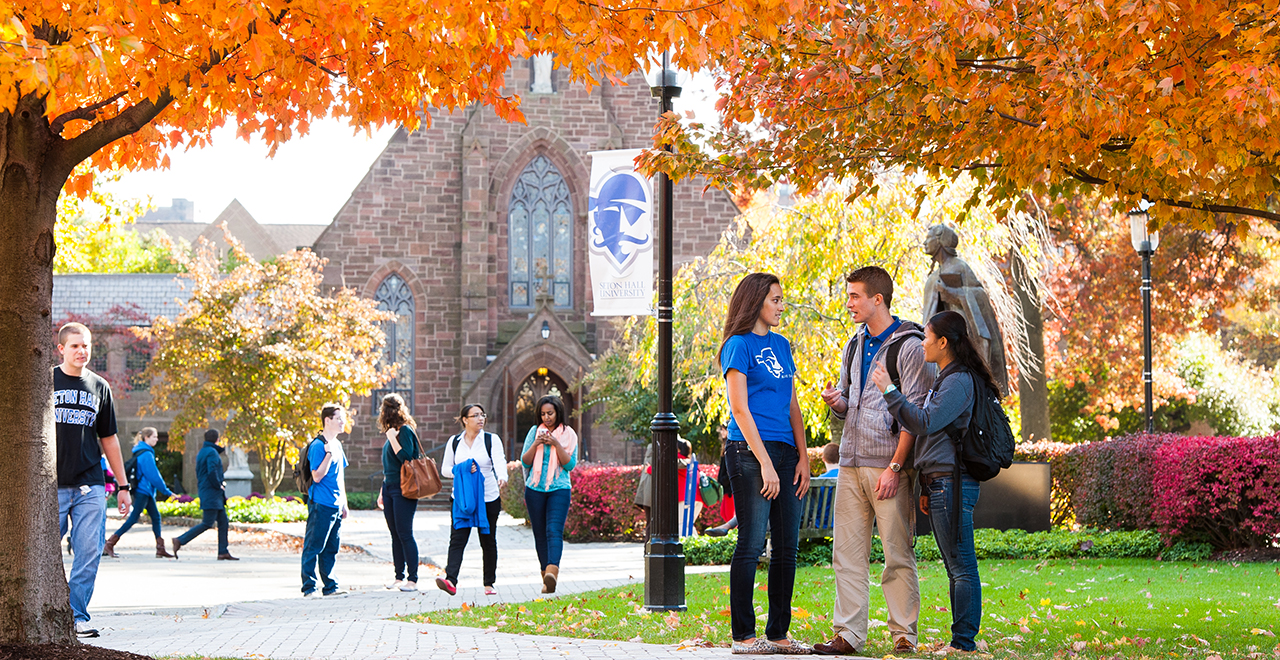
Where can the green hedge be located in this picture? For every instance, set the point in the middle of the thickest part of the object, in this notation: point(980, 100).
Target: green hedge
point(240, 510)
point(991, 544)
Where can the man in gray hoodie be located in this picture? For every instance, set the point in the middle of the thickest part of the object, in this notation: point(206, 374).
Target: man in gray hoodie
point(874, 485)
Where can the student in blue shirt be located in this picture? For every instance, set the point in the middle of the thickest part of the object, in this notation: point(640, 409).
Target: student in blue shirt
point(767, 460)
point(148, 487)
point(326, 503)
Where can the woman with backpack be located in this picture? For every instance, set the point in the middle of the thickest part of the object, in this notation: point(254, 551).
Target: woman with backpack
point(550, 453)
point(147, 483)
point(401, 446)
point(947, 410)
point(483, 453)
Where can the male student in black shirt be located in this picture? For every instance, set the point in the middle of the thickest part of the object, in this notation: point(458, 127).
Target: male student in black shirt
point(86, 431)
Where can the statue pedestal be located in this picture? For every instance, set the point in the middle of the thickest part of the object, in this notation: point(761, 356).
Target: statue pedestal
point(239, 478)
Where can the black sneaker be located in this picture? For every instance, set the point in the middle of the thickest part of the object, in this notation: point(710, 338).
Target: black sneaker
point(83, 629)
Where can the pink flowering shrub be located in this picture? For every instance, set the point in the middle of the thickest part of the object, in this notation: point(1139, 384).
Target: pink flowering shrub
point(602, 506)
point(1224, 491)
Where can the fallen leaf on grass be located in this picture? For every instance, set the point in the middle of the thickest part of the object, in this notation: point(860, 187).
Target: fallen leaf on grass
point(1078, 646)
point(1263, 632)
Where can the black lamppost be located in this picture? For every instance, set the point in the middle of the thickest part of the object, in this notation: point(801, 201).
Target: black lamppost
point(1145, 242)
point(663, 554)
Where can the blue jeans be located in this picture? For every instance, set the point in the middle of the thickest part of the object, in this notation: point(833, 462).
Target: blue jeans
point(211, 516)
point(547, 512)
point(757, 517)
point(398, 511)
point(141, 502)
point(320, 543)
point(87, 513)
point(959, 556)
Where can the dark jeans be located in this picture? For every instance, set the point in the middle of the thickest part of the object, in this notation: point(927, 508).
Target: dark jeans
point(960, 558)
point(141, 502)
point(211, 516)
point(320, 543)
point(399, 510)
point(488, 546)
point(547, 512)
point(757, 516)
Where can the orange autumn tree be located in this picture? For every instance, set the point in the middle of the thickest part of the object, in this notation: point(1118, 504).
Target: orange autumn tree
point(115, 82)
point(1174, 101)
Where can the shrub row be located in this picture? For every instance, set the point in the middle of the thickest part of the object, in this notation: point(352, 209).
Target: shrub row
point(242, 510)
point(1220, 491)
point(990, 543)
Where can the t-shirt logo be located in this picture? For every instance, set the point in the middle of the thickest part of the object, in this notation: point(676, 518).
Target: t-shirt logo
point(770, 362)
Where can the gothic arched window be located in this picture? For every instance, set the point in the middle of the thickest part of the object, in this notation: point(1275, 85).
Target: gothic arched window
point(540, 220)
point(393, 295)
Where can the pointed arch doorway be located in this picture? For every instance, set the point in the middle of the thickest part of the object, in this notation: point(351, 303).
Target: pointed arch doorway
point(537, 385)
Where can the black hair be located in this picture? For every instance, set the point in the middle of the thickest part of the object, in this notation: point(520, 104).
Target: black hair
point(466, 409)
point(555, 403)
point(955, 329)
point(212, 435)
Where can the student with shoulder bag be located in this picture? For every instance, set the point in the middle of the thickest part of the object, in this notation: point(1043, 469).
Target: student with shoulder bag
point(401, 447)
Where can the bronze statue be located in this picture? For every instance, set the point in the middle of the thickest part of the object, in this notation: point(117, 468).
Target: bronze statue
point(952, 285)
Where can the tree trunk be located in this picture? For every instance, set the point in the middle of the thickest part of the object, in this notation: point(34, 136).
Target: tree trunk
point(1033, 390)
point(35, 604)
point(273, 470)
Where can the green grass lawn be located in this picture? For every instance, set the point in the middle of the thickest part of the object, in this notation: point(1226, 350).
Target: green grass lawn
point(1054, 608)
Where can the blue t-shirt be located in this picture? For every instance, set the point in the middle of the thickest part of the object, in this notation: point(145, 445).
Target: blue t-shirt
point(766, 362)
point(325, 491)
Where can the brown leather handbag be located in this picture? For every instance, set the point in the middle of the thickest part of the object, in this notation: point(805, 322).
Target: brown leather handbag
point(419, 477)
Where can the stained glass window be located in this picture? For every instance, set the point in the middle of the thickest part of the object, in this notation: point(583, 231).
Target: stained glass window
point(540, 218)
point(394, 295)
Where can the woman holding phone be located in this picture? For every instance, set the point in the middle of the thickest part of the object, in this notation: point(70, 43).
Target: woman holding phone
point(550, 452)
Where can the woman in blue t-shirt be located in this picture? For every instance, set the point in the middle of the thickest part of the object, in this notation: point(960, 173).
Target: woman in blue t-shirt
point(767, 460)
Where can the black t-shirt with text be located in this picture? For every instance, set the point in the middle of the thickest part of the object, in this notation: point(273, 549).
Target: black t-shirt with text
point(83, 413)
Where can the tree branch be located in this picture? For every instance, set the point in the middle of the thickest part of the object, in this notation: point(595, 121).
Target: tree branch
point(1270, 216)
point(70, 153)
point(87, 112)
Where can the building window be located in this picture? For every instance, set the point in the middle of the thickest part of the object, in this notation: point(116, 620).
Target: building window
point(393, 295)
point(540, 218)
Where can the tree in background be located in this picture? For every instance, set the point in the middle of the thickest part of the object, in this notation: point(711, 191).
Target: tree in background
point(263, 348)
point(92, 235)
point(1164, 100)
point(811, 248)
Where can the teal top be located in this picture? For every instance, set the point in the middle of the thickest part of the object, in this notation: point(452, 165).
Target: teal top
point(561, 481)
point(391, 461)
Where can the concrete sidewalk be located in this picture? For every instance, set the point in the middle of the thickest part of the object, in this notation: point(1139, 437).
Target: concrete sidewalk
point(253, 608)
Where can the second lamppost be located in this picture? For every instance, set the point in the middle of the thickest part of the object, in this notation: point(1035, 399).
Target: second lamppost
point(663, 554)
point(1145, 242)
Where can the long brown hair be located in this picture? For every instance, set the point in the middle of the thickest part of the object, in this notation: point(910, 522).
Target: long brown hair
point(395, 413)
point(745, 305)
point(954, 327)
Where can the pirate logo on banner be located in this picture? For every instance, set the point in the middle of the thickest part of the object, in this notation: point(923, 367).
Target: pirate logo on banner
point(620, 235)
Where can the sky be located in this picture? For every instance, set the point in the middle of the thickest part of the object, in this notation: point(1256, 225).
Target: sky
point(309, 179)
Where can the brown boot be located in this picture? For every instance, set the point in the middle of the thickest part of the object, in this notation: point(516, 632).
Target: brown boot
point(176, 546)
point(549, 578)
point(161, 552)
point(109, 550)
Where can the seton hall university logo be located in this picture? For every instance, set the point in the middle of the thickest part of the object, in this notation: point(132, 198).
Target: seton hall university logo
point(619, 220)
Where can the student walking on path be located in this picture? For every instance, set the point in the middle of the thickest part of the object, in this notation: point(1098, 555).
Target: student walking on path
point(475, 458)
point(85, 426)
point(401, 445)
point(550, 452)
point(326, 503)
point(148, 486)
point(212, 488)
point(767, 460)
point(948, 407)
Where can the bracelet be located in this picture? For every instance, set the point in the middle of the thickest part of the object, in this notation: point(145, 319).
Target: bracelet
point(889, 389)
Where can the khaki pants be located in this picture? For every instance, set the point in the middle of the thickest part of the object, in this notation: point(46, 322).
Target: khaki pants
point(856, 510)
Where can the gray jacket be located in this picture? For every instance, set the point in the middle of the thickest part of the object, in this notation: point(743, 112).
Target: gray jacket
point(868, 440)
point(952, 403)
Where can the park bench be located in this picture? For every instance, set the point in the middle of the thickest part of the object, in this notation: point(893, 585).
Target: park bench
point(817, 509)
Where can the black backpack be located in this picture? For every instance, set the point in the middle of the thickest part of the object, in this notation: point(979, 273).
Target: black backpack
point(984, 447)
point(131, 470)
point(302, 477)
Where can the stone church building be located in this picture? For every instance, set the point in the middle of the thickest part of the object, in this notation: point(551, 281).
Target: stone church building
point(473, 231)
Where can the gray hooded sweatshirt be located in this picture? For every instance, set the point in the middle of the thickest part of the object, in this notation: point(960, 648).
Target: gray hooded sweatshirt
point(868, 439)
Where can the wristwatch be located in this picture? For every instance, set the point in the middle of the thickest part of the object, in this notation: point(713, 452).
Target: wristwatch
point(128, 488)
point(896, 467)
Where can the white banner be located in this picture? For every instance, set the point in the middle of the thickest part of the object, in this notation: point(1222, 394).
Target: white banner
point(620, 235)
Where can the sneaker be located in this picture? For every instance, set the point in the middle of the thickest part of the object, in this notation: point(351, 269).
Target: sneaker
point(792, 647)
point(446, 586)
point(761, 646)
point(84, 629)
point(395, 584)
point(337, 593)
point(408, 586)
point(311, 594)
